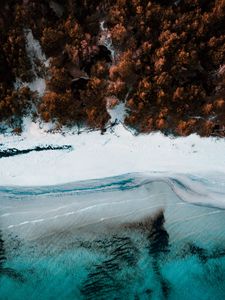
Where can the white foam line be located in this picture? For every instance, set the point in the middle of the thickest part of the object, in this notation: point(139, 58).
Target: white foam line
point(31, 211)
point(58, 208)
point(5, 215)
point(86, 208)
point(77, 212)
point(37, 221)
point(123, 215)
point(16, 213)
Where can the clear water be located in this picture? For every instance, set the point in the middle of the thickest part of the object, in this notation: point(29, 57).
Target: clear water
point(127, 237)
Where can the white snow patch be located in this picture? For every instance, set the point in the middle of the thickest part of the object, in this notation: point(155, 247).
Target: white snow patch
point(34, 52)
point(106, 40)
point(34, 48)
point(117, 113)
point(99, 156)
point(38, 84)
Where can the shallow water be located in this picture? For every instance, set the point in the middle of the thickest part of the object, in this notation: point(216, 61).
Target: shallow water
point(126, 237)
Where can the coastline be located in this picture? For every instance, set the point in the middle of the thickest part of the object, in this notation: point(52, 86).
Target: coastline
point(115, 153)
point(104, 205)
point(194, 162)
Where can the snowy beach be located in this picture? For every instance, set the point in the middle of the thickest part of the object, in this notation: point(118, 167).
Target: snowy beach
point(111, 215)
point(98, 156)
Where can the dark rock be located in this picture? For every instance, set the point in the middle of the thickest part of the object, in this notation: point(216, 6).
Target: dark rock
point(13, 151)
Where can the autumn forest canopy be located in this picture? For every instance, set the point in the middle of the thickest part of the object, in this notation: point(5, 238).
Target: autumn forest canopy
point(166, 63)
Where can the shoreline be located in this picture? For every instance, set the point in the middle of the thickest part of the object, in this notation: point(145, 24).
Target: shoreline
point(94, 156)
point(107, 202)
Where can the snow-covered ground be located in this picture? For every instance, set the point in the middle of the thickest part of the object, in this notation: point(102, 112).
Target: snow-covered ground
point(99, 156)
point(34, 53)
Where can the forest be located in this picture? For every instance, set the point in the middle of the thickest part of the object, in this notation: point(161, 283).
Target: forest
point(168, 68)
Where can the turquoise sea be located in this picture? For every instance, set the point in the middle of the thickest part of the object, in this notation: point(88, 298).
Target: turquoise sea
point(127, 237)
